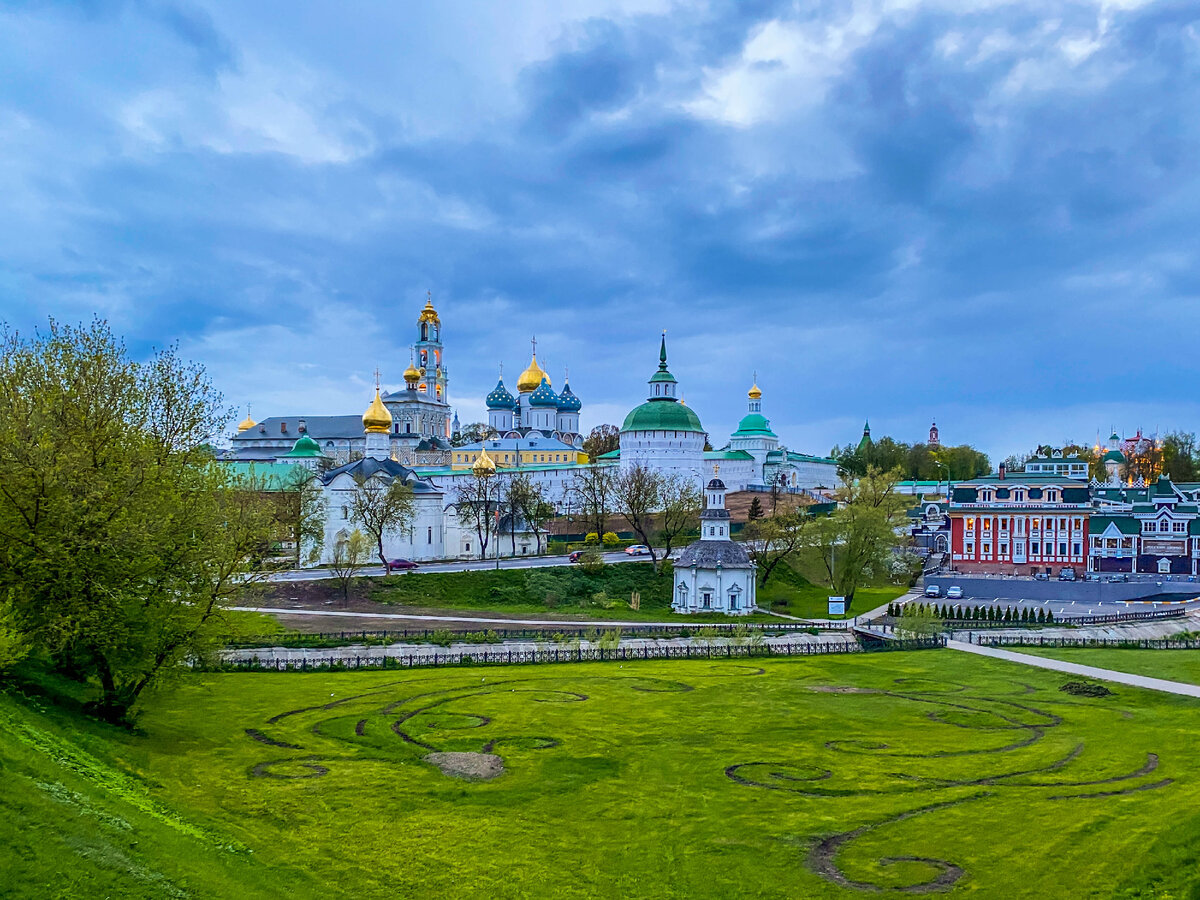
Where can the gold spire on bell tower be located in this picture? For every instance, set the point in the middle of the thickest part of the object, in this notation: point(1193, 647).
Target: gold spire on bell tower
point(532, 377)
point(429, 314)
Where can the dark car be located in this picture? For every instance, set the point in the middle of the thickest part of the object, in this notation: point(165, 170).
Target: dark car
point(401, 565)
point(575, 556)
point(1066, 574)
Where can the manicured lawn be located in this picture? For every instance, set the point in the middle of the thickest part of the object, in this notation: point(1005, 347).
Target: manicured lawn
point(802, 778)
point(789, 592)
point(1173, 665)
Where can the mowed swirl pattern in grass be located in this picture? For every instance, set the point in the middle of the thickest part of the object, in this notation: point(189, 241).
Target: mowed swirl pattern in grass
point(902, 773)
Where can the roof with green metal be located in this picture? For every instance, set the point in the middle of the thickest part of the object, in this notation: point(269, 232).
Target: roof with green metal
point(1125, 524)
point(305, 448)
point(269, 476)
point(728, 454)
point(662, 415)
point(754, 423)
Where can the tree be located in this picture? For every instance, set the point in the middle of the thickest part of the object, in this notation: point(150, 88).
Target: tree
point(473, 434)
point(602, 439)
point(478, 505)
point(381, 505)
point(121, 539)
point(528, 498)
point(918, 620)
point(636, 496)
point(756, 511)
point(593, 488)
point(679, 502)
point(774, 540)
point(349, 556)
point(302, 513)
point(854, 541)
point(1180, 457)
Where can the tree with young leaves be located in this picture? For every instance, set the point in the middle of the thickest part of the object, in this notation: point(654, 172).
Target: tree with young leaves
point(473, 434)
point(122, 541)
point(637, 496)
point(381, 505)
point(593, 488)
point(679, 503)
point(854, 542)
point(300, 513)
point(528, 497)
point(602, 439)
point(776, 539)
point(349, 556)
point(479, 497)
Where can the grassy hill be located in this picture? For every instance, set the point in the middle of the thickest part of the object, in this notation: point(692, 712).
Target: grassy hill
point(685, 779)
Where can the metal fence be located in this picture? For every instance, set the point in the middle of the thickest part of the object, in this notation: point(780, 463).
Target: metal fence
point(301, 639)
point(488, 656)
point(1022, 640)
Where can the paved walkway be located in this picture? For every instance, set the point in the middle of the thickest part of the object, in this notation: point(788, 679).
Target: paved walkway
point(1057, 665)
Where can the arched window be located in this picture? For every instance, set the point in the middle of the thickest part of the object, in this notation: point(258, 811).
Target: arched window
point(683, 594)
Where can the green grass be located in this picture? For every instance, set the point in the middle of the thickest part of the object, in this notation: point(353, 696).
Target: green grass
point(790, 592)
point(617, 784)
point(1173, 665)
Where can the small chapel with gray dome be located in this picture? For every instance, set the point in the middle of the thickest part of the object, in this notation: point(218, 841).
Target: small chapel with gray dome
point(714, 574)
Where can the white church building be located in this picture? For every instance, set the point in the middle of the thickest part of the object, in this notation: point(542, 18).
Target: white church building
point(714, 574)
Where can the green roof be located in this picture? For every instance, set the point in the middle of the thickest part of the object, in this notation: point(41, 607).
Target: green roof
point(754, 423)
point(611, 454)
point(269, 476)
point(1125, 524)
point(1113, 456)
point(662, 414)
point(728, 454)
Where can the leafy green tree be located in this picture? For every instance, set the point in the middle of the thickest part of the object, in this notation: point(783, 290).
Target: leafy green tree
point(121, 540)
point(1180, 457)
point(918, 621)
point(473, 434)
point(777, 539)
point(602, 439)
point(679, 503)
point(528, 498)
point(756, 511)
point(853, 543)
point(592, 491)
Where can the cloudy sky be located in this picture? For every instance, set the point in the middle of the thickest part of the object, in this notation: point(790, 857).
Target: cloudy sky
point(979, 212)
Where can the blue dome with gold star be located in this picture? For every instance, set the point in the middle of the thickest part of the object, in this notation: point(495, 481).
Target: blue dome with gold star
point(544, 395)
point(567, 401)
point(500, 398)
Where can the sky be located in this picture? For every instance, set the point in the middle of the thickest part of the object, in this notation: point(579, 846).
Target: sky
point(979, 213)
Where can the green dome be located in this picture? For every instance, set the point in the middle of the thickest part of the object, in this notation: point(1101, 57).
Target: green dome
point(662, 415)
point(1114, 456)
point(754, 422)
point(305, 447)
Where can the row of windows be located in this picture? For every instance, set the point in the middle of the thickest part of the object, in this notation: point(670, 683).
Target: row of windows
point(1035, 549)
point(987, 495)
point(1165, 527)
point(508, 457)
point(1035, 524)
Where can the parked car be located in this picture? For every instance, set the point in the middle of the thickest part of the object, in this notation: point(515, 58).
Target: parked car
point(638, 550)
point(954, 592)
point(932, 590)
point(575, 556)
point(1066, 574)
point(1041, 576)
point(401, 565)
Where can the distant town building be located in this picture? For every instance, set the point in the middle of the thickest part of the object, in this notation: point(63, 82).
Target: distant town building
point(1154, 529)
point(1054, 463)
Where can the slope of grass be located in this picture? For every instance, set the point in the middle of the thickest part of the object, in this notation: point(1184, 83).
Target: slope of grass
point(789, 592)
point(686, 779)
point(1173, 665)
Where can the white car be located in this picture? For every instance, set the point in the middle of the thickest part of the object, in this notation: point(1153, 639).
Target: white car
point(954, 592)
point(638, 550)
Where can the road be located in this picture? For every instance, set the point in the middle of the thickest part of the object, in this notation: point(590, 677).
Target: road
point(459, 565)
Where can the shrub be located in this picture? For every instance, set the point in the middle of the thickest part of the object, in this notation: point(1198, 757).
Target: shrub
point(1050, 616)
point(591, 538)
point(610, 539)
point(442, 637)
point(592, 562)
point(1041, 615)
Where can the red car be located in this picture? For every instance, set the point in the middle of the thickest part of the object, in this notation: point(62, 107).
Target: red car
point(401, 565)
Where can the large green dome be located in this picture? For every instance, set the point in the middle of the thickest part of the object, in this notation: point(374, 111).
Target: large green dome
point(754, 423)
point(662, 415)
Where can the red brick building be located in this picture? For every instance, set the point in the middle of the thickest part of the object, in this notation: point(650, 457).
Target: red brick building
point(1019, 524)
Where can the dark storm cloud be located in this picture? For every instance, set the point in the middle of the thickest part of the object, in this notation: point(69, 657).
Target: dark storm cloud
point(896, 213)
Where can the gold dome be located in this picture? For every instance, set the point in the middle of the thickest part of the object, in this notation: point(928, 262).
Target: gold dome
point(377, 419)
point(429, 314)
point(485, 465)
point(246, 424)
point(531, 378)
point(412, 373)
point(755, 393)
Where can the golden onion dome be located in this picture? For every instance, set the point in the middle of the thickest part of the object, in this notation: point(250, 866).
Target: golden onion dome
point(485, 465)
point(246, 424)
point(755, 393)
point(429, 314)
point(377, 419)
point(412, 373)
point(531, 378)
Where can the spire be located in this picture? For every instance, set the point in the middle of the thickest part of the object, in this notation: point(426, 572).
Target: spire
point(662, 353)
